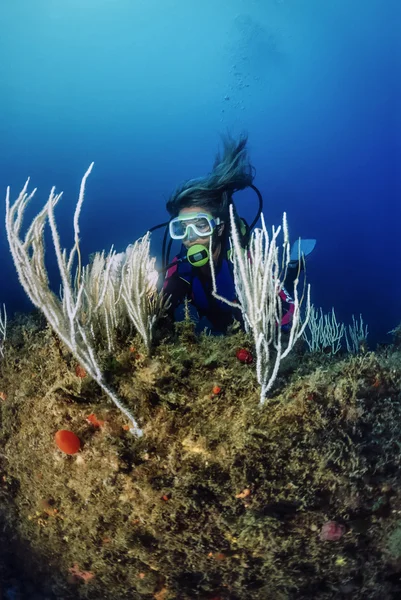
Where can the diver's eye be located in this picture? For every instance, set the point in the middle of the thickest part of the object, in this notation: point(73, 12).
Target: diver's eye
point(202, 225)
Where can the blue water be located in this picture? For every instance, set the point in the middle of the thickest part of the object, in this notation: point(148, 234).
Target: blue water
point(145, 87)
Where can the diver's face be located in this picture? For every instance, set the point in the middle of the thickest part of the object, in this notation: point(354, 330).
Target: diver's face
point(191, 239)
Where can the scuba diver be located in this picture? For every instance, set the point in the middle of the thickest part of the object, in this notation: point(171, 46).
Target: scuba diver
point(199, 210)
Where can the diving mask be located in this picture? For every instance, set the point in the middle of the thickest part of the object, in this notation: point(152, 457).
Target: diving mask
point(193, 226)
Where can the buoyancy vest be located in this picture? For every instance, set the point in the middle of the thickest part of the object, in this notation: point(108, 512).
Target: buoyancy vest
point(200, 291)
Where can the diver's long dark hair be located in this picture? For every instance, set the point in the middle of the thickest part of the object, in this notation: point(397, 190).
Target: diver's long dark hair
point(232, 171)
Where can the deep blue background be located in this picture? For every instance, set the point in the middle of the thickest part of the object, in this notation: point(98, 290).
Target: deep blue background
point(144, 88)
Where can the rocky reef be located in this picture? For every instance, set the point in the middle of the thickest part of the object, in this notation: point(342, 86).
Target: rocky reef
point(221, 499)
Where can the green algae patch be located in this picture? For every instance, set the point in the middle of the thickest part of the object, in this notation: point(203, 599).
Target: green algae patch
point(221, 498)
